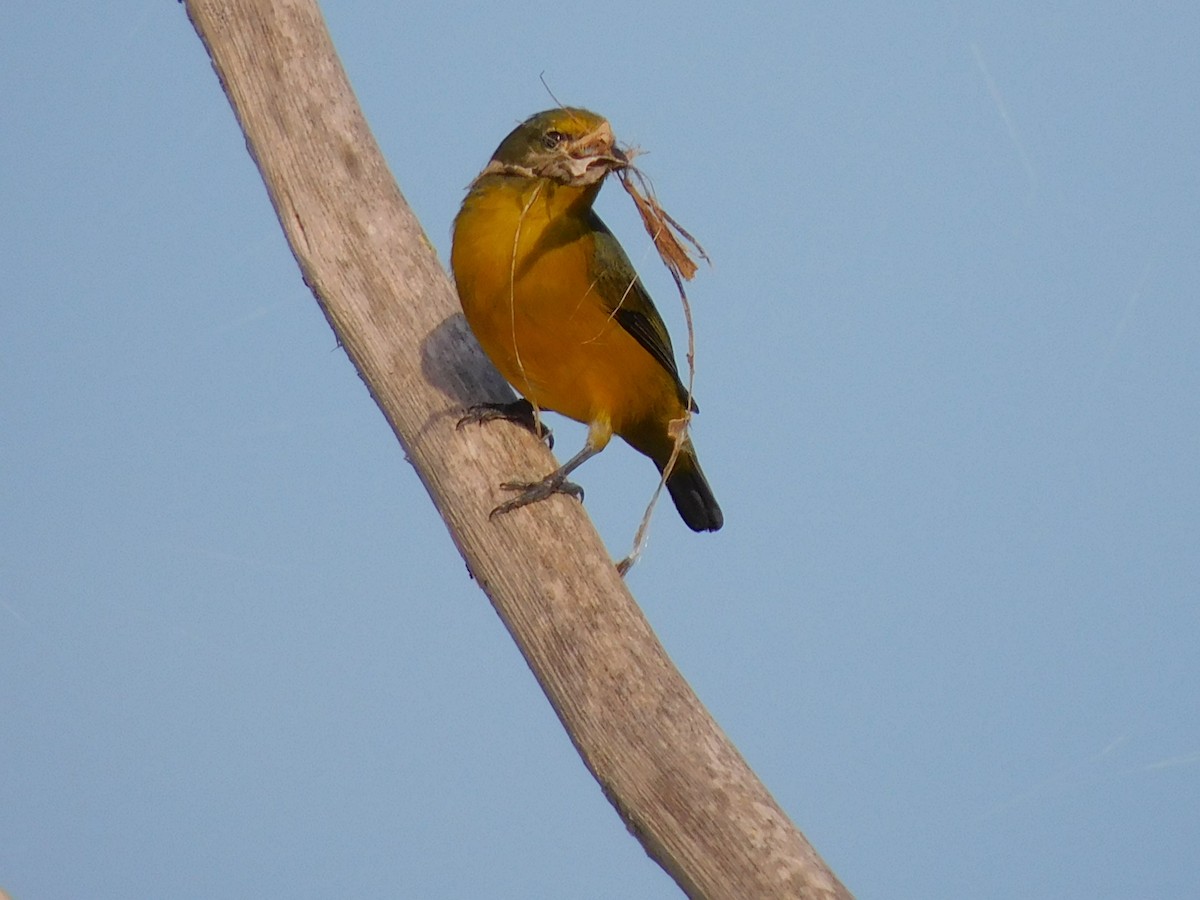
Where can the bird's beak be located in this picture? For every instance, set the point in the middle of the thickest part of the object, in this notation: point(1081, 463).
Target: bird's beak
point(594, 155)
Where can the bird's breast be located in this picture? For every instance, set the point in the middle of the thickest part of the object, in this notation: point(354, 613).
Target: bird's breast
point(526, 276)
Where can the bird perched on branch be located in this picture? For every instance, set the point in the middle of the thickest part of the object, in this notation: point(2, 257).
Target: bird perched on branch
point(558, 308)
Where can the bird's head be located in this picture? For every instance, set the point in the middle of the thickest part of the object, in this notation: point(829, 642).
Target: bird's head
point(568, 145)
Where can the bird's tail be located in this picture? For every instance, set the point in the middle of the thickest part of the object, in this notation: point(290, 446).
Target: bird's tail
point(693, 497)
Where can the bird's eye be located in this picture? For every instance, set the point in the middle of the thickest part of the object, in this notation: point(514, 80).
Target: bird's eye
point(552, 139)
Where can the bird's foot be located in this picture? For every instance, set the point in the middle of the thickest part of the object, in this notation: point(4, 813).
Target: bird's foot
point(519, 411)
point(535, 491)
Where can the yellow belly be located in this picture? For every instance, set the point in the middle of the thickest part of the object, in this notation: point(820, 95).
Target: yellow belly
point(525, 278)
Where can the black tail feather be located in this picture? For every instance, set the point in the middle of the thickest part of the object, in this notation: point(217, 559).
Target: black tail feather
point(693, 497)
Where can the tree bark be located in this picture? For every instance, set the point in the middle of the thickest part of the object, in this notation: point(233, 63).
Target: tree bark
point(677, 782)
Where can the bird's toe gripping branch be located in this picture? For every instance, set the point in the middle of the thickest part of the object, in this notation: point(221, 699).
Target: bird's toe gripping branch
point(556, 482)
point(536, 491)
point(520, 412)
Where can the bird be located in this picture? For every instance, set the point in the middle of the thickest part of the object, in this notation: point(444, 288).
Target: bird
point(558, 308)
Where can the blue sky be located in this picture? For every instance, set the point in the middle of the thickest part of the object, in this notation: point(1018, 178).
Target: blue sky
point(949, 366)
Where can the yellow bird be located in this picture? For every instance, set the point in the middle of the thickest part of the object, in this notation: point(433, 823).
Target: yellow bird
point(558, 308)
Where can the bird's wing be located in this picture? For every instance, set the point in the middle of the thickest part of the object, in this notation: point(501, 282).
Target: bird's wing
point(625, 297)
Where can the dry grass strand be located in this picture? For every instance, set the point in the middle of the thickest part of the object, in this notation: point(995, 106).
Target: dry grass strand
point(662, 227)
point(669, 237)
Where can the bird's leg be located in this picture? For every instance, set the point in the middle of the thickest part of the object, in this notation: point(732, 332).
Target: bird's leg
point(519, 411)
point(554, 483)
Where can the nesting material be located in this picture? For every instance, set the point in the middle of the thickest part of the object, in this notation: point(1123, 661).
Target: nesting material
point(669, 240)
point(662, 228)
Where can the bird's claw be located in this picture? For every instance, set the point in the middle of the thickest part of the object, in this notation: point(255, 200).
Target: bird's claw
point(535, 491)
point(519, 411)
